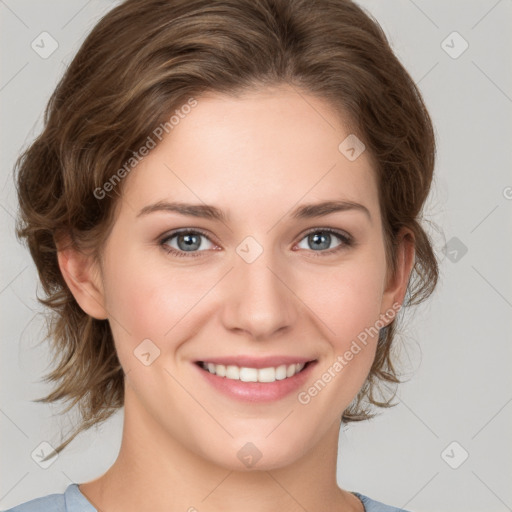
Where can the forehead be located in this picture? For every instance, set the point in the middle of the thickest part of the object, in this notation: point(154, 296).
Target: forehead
point(268, 147)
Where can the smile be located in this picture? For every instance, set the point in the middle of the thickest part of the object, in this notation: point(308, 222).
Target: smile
point(247, 374)
point(256, 379)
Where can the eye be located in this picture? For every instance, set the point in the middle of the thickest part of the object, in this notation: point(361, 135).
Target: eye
point(189, 242)
point(186, 242)
point(321, 241)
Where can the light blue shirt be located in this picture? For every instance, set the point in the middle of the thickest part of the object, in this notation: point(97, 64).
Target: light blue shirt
point(72, 500)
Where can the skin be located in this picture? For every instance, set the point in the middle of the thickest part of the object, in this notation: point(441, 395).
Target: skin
point(256, 157)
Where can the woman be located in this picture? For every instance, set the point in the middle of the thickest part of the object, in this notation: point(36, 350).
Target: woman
point(224, 209)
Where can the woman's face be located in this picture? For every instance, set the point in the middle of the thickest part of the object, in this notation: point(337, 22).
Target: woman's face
point(260, 276)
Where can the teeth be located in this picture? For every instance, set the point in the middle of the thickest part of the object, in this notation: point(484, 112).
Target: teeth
point(266, 375)
point(232, 372)
point(245, 374)
point(281, 372)
point(248, 374)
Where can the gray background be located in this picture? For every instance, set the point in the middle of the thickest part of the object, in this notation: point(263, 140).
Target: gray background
point(456, 349)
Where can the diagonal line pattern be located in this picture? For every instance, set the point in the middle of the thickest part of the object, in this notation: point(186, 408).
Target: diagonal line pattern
point(306, 101)
point(71, 480)
point(428, 72)
point(492, 211)
point(485, 15)
point(301, 301)
point(492, 286)
point(508, 508)
point(5, 495)
point(402, 401)
point(282, 217)
point(492, 81)
point(286, 491)
point(7, 211)
point(102, 305)
point(217, 486)
point(198, 402)
point(13, 279)
point(281, 422)
point(23, 302)
point(14, 423)
point(480, 430)
point(200, 299)
point(14, 76)
point(408, 501)
point(192, 192)
point(424, 14)
point(14, 14)
point(76, 14)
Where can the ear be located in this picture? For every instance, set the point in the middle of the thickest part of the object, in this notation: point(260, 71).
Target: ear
point(82, 275)
point(396, 286)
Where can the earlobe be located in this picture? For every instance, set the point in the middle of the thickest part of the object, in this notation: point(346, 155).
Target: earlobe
point(81, 273)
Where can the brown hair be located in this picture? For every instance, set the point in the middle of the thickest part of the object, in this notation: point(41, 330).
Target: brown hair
point(142, 61)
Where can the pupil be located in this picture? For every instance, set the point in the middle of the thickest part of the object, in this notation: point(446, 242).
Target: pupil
point(316, 237)
point(191, 242)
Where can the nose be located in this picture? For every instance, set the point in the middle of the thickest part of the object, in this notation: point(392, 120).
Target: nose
point(259, 301)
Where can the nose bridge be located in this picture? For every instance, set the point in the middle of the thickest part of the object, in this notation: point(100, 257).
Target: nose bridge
point(258, 300)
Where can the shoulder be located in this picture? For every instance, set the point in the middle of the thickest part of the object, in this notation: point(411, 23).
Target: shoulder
point(72, 500)
point(50, 503)
point(376, 506)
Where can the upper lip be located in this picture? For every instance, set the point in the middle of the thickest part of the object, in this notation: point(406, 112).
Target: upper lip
point(256, 362)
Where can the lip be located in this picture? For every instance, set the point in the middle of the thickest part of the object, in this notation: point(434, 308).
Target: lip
point(257, 391)
point(256, 362)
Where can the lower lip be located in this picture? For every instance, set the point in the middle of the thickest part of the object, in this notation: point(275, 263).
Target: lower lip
point(257, 391)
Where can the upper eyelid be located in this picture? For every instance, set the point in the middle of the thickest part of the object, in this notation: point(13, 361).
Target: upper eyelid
point(337, 232)
point(172, 234)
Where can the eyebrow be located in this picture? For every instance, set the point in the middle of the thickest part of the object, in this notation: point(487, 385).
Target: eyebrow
point(307, 211)
point(312, 210)
point(193, 210)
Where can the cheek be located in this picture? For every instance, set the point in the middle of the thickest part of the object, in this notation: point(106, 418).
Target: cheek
point(347, 303)
point(148, 299)
point(347, 299)
point(152, 302)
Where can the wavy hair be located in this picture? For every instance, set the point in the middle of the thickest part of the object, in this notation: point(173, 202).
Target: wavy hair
point(143, 60)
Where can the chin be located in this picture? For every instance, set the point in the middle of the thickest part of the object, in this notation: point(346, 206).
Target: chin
point(257, 453)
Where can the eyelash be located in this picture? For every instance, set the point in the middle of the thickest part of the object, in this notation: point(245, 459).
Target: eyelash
point(345, 239)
